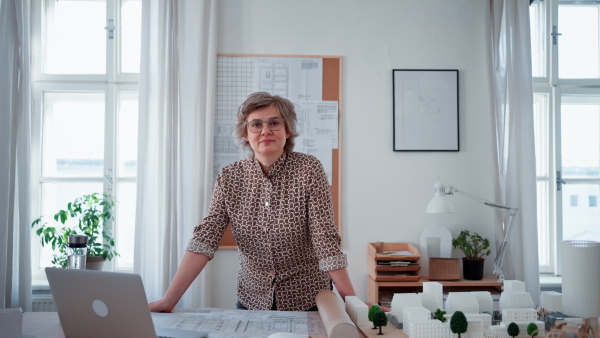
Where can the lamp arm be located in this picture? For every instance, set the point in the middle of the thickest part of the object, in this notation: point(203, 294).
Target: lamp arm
point(512, 212)
point(452, 190)
point(498, 271)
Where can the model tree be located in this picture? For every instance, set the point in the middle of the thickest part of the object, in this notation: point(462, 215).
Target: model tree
point(372, 311)
point(380, 319)
point(439, 315)
point(532, 330)
point(458, 323)
point(513, 329)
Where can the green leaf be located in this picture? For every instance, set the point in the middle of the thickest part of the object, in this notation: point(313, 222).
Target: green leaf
point(36, 222)
point(63, 216)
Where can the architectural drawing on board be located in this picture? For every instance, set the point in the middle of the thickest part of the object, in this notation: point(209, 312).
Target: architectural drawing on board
point(298, 79)
point(274, 78)
point(424, 118)
point(425, 110)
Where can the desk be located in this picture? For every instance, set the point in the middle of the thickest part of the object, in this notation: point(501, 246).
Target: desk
point(47, 324)
point(389, 331)
point(378, 289)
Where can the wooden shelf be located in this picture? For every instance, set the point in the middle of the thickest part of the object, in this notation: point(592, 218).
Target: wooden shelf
point(385, 253)
point(376, 288)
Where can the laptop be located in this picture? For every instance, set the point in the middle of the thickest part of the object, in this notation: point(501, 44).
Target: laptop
point(93, 303)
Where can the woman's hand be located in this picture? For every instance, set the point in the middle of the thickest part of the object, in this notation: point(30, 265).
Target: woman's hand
point(385, 309)
point(191, 265)
point(160, 306)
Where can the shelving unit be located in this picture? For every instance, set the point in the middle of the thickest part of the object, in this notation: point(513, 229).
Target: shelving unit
point(383, 260)
point(385, 280)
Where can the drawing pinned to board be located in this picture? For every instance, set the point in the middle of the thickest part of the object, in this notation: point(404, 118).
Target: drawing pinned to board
point(425, 110)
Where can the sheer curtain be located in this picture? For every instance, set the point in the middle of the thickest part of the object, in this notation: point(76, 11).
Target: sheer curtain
point(15, 141)
point(513, 111)
point(177, 92)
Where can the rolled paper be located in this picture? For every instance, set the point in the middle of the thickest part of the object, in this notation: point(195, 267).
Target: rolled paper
point(334, 317)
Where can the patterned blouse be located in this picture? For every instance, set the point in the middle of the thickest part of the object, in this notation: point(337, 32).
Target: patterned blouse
point(284, 228)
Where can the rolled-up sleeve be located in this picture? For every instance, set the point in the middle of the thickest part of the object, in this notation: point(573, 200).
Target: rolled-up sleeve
point(325, 238)
point(208, 234)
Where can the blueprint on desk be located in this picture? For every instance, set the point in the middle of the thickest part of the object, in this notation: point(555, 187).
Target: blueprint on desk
point(224, 323)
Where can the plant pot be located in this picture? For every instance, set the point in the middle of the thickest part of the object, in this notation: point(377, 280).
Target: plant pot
point(94, 263)
point(473, 268)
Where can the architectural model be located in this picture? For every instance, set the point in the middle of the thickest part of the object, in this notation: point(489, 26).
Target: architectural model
point(402, 300)
point(414, 312)
point(516, 306)
point(357, 310)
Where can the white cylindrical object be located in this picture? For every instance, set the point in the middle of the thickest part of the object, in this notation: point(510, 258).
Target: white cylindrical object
point(581, 278)
point(334, 317)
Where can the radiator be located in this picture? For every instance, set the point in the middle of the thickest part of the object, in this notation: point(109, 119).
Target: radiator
point(42, 302)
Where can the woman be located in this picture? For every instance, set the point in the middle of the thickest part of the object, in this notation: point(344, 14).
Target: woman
point(279, 205)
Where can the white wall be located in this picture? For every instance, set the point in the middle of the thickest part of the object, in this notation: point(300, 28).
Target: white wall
point(384, 192)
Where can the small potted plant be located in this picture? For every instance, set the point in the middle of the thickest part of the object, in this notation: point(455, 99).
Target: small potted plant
point(475, 249)
point(91, 212)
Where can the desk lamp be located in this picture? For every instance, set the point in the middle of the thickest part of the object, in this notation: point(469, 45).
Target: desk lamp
point(440, 204)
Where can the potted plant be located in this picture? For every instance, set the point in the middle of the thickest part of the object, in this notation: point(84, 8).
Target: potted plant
point(475, 249)
point(91, 212)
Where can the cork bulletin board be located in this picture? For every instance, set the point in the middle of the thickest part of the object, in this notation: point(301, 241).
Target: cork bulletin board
point(233, 86)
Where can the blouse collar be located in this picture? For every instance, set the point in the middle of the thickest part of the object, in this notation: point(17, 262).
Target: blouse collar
point(276, 168)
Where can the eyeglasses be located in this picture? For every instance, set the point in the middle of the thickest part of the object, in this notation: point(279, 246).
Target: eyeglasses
point(274, 123)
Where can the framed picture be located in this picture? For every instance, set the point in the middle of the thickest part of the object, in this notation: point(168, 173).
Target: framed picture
point(425, 110)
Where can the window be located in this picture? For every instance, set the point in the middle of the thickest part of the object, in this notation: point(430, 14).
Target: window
point(86, 60)
point(566, 74)
point(574, 201)
point(593, 201)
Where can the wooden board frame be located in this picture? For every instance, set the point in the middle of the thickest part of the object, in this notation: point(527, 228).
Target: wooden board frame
point(332, 91)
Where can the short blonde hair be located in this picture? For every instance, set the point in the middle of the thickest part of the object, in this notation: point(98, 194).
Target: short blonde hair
point(260, 100)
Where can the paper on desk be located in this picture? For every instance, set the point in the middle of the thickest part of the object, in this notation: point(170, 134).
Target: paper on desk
point(287, 335)
point(223, 323)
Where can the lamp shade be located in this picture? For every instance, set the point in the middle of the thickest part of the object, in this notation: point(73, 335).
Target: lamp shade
point(439, 204)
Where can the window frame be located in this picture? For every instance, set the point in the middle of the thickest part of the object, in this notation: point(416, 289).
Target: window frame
point(549, 178)
point(111, 84)
point(554, 86)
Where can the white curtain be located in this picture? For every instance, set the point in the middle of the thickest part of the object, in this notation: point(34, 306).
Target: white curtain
point(175, 175)
point(513, 111)
point(15, 140)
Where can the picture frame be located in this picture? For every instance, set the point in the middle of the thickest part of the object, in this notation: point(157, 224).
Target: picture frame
point(425, 110)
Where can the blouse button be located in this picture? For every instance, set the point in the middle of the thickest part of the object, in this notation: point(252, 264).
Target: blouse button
point(266, 204)
point(265, 229)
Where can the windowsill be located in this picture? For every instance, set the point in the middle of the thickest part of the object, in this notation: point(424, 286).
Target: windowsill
point(550, 281)
point(39, 284)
